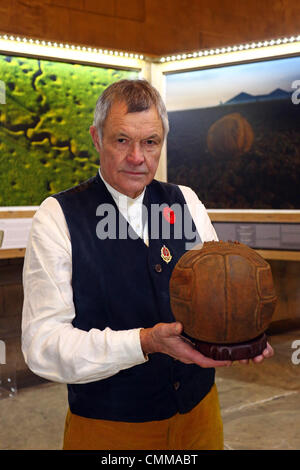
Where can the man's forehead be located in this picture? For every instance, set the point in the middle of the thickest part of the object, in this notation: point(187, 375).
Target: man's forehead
point(122, 108)
point(118, 106)
point(119, 115)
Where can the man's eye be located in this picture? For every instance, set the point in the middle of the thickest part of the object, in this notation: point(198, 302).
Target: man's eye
point(150, 142)
point(121, 140)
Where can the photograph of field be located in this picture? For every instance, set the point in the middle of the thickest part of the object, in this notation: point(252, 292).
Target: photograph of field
point(235, 134)
point(45, 146)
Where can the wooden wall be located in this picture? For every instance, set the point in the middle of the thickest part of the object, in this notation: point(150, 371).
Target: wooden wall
point(151, 26)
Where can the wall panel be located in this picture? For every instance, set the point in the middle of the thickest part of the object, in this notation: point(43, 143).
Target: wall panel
point(151, 26)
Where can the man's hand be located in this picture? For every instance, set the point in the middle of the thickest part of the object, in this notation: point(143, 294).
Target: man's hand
point(166, 338)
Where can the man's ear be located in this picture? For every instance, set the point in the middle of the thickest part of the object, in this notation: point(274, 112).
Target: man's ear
point(95, 137)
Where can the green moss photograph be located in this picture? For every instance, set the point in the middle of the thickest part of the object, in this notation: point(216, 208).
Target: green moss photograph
point(45, 146)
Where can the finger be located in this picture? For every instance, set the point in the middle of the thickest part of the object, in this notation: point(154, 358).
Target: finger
point(204, 361)
point(258, 359)
point(207, 362)
point(212, 363)
point(244, 361)
point(172, 329)
point(178, 328)
point(268, 351)
point(161, 331)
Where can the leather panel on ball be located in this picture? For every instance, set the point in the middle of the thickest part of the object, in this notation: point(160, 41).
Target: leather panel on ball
point(223, 293)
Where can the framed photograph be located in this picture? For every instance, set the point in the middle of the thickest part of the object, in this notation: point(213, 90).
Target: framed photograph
point(48, 93)
point(235, 133)
point(234, 139)
point(46, 108)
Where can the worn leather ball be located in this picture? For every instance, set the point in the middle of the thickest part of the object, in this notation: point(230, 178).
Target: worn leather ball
point(223, 293)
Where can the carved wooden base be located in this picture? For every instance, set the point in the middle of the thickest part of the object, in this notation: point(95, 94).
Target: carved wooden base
point(232, 352)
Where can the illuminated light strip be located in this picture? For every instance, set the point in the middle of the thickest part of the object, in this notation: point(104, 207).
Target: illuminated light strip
point(37, 47)
point(224, 50)
point(52, 49)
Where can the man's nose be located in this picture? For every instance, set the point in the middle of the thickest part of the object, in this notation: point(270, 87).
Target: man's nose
point(135, 154)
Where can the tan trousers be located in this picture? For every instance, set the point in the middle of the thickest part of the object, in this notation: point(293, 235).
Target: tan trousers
point(200, 429)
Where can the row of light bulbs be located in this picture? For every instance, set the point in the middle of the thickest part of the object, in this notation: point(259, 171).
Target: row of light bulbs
point(223, 50)
point(72, 47)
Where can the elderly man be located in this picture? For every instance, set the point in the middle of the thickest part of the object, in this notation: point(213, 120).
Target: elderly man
point(96, 310)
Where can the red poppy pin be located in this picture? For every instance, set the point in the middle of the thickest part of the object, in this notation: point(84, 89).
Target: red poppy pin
point(169, 215)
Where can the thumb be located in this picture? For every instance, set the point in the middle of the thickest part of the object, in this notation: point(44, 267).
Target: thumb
point(178, 327)
point(171, 329)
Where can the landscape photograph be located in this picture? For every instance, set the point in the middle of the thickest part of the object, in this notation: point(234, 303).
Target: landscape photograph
point(235, 134)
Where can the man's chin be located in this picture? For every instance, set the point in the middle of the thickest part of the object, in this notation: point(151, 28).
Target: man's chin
point(133, 190)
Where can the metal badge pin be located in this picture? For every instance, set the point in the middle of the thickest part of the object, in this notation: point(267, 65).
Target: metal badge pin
point(165, 254)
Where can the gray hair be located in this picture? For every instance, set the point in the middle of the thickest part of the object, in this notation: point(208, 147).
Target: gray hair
point(138, 95)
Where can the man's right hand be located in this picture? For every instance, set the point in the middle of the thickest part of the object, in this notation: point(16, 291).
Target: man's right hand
point(166, 338)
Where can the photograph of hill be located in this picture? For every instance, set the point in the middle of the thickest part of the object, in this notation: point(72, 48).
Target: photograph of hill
point(45, 145)
point(235, 133)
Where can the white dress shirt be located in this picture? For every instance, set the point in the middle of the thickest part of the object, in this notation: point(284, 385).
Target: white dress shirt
point(53, 348)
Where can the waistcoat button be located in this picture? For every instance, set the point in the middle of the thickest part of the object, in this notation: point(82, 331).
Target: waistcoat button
point(176, 385)
point(158, 268)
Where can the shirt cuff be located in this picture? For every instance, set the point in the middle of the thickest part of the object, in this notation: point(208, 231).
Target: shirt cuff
point(127, 346)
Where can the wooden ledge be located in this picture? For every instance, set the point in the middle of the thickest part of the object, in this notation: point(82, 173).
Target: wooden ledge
point(13, 253)
point(240, 216)
point(17, 214)
point(280, 255)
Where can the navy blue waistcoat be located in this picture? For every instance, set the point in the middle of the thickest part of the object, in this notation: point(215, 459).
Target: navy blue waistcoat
point(117, 283)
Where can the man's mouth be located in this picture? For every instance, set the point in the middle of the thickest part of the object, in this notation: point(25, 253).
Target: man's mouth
point(134, 173)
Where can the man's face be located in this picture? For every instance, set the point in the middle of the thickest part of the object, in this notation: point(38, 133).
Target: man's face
point(130, 148)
